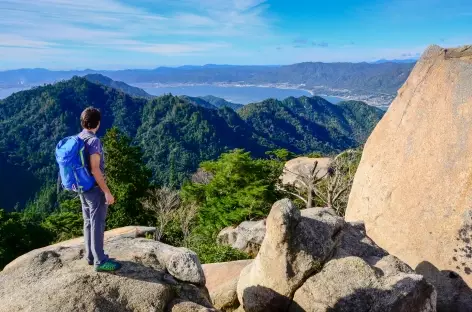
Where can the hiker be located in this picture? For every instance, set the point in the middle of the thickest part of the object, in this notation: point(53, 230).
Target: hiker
point(81, 168)
point(96, 200)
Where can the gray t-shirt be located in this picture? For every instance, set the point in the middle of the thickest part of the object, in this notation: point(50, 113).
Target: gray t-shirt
point(93, 145)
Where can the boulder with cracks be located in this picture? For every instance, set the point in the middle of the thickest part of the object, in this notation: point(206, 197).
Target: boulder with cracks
point(311, 260)
point(154, 277)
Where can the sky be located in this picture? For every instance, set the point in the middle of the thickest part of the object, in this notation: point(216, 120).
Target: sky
point(118, 34)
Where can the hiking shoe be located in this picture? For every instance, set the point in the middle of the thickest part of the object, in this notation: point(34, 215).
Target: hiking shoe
point(108, 266)
point(91, 262)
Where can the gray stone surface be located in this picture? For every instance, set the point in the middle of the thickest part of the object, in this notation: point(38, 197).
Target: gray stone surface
point(352, 285)
point(312, 260)
point(183, 264)
point(295, 246)
point(355, 242)
point(57, 278)
point(187, 306)
point(247, 236)
point(303, 166)
point(453, 293)
point(391, 265)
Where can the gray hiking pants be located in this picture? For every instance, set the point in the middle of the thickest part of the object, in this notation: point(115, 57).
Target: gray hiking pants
point(94, 211)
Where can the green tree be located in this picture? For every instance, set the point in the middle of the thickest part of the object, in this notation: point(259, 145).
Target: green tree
point(71, 205)
point(241, 189)
point(43, 204)
point(127, 178)
point(210, 252)
point(281, 154)
point(19, 235)
point(64, 225)
point(33, 121)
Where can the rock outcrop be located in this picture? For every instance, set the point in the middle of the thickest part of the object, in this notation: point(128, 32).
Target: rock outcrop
point(413, 187)
point(154, 277)
point(303, 166)
point(221, 282)
point(351, 284)
point(247, 236)
point(311, 260)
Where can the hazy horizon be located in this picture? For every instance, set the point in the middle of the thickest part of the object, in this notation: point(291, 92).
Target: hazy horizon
point(410, 61)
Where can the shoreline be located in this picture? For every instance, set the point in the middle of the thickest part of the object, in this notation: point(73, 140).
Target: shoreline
point(377, 100)
point(282, 86)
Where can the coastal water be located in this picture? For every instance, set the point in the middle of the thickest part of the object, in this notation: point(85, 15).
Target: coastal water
point(9, 91)
point(240, 95)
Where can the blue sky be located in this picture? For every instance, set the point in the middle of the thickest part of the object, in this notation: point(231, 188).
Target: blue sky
point(115, 34)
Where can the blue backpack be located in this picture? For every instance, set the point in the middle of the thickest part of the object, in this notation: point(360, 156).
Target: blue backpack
point(70, 156)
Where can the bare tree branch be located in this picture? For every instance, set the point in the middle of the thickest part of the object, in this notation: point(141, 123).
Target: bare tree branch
point(187, 214)
point(162, 202)
point(292, 193)
point(202, 176)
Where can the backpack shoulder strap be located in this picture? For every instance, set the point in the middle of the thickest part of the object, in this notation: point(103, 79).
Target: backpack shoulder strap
point(84, 156)
point(86, 136)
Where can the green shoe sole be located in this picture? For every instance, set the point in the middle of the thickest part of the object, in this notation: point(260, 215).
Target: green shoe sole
point(108, 266)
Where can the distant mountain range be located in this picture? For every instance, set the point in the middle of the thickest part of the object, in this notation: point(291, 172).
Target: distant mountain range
point(208, 101)
point(119, 85)
point(376, 83)
point(215, 102)
point(403, 61)
point(173, 132)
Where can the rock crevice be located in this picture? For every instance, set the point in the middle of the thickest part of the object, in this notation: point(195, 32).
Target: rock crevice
point(314, 261)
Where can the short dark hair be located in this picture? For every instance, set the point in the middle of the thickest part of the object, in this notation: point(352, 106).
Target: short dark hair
point(90, 118)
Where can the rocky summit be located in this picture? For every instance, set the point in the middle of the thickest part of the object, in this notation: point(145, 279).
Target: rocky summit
point(154, 277)
point(312, 260)
point(413, 188)
point(247, 236)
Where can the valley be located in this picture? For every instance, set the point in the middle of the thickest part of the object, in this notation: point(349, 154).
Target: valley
point(183, 131)
point(235, 156)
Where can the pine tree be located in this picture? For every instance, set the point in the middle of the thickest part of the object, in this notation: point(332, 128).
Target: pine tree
point(128, 179)
point(241, 189)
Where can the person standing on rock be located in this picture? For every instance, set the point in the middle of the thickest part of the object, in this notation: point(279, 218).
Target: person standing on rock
point(96, 200)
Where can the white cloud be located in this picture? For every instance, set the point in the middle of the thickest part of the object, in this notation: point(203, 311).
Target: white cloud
point(185, 26)
point(173, 48)
point(9, 40)
point(189, 19)
point(244, 5)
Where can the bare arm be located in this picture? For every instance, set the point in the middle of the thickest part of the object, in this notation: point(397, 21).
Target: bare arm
point(98, 175)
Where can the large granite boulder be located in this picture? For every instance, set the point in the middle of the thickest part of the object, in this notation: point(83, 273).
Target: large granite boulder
point(289, 254)
point(351, 284)
point(221, 282)
point(247, 236)
point(413, 187)
point(311, 260)
point(57, 278)
point(302, 166)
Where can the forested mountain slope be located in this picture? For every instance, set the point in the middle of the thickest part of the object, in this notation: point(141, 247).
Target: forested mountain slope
point(33, 121)
point(174, 134)
point(119, 85)
point(312, 123)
